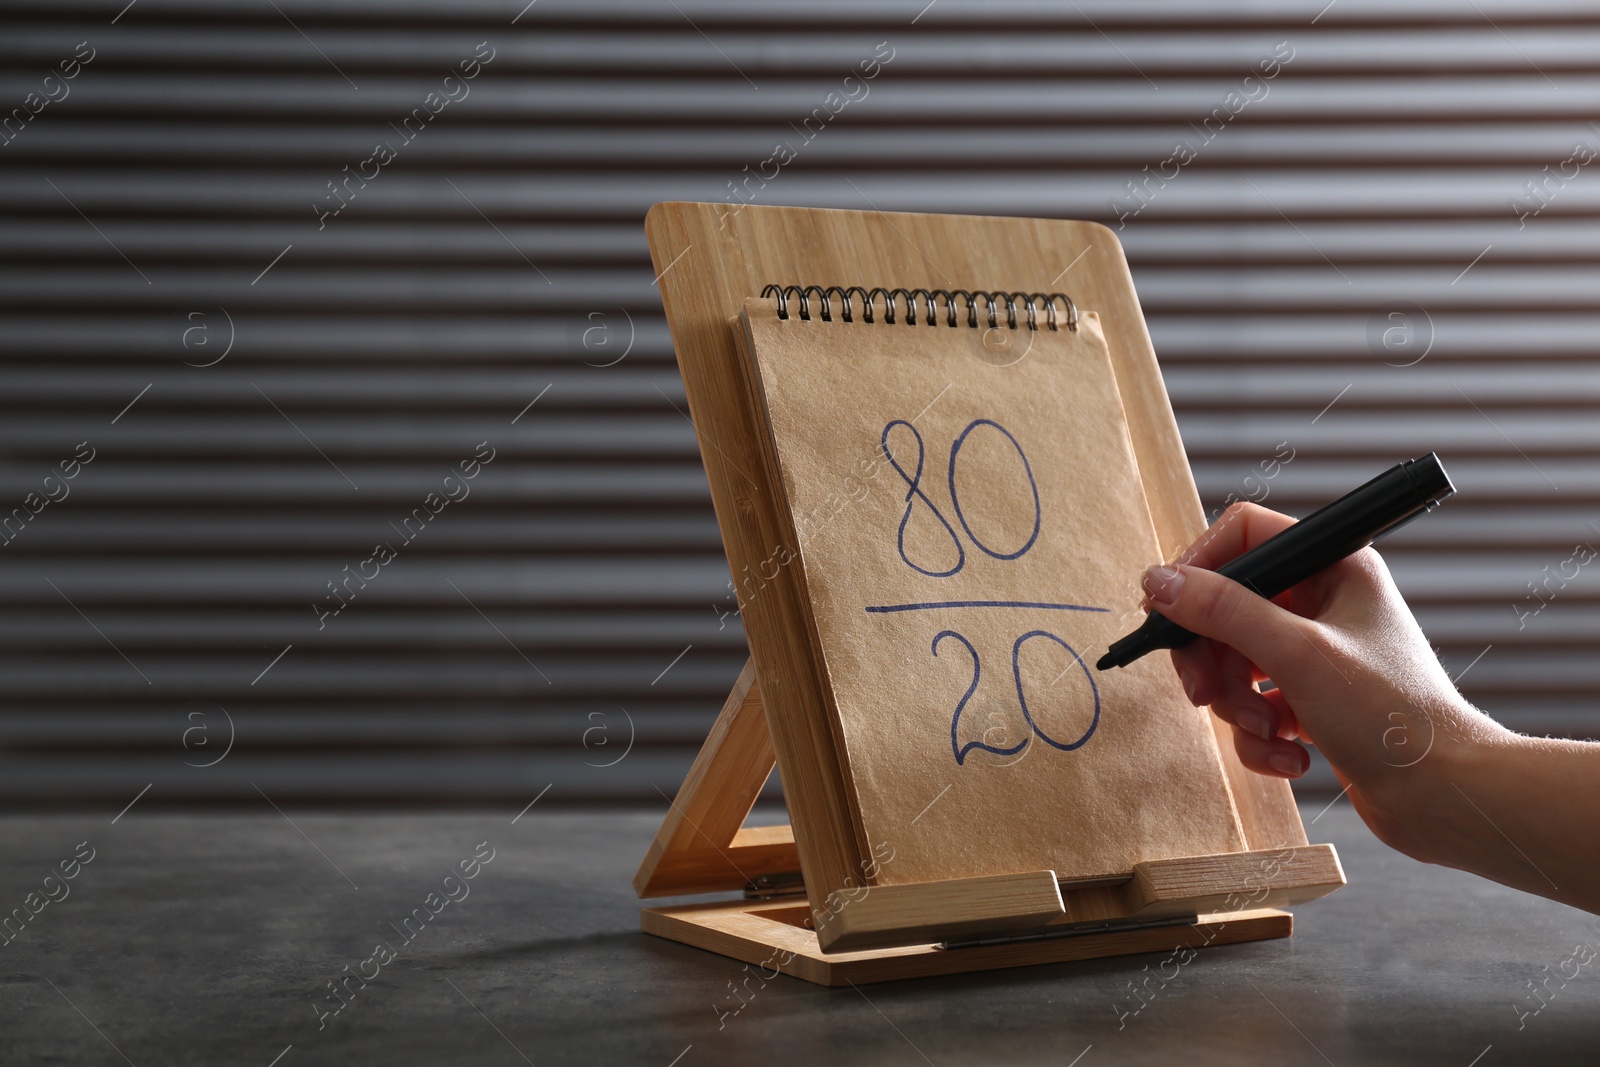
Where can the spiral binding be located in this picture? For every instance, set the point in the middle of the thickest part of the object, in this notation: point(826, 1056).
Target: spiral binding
point(1029, 303)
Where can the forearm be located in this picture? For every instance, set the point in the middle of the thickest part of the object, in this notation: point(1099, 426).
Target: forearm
point(1523, 811)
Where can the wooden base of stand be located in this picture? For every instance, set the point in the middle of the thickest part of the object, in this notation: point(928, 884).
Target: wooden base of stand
point(773, 936)
point(703, 847)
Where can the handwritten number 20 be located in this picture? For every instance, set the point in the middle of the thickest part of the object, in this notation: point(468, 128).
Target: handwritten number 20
point(961, 750)
point(914, 493)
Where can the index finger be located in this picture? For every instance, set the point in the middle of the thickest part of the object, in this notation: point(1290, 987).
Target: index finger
point(1240, 528)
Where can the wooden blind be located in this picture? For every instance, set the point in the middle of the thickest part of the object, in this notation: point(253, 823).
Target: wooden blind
point(243, 346)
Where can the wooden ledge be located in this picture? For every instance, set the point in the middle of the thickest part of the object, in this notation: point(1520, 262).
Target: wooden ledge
point(967, 908)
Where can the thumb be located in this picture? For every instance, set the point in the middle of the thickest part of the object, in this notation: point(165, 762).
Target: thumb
point(1220, 608)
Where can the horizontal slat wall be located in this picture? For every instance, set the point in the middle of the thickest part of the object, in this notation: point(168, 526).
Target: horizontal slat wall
point(577, 597)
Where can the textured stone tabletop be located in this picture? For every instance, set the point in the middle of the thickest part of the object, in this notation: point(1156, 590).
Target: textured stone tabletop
point(214, 939)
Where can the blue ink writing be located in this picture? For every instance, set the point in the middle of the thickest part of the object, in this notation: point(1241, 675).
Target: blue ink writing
point(960, 751)
point(955, 721)
point(931, 604)
point(914, 492)
point(955, 499)
point(1094, 690)
point(945, 568)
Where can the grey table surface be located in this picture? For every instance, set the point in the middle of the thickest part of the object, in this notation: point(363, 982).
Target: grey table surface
point(213, 940)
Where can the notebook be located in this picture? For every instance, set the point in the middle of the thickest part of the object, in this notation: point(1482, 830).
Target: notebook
point(969, 525)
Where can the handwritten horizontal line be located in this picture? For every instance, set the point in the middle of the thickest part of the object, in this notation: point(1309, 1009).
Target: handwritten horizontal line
point(877, 608)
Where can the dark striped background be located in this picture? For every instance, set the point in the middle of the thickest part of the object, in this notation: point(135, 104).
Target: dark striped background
point(536, 626)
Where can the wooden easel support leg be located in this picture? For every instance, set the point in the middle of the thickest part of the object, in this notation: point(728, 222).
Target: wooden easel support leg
point(702, 846)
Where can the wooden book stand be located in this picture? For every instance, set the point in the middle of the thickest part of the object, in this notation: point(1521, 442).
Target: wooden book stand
point(813, 906)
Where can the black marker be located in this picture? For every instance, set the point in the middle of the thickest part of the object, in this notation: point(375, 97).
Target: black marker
point(1315, 543)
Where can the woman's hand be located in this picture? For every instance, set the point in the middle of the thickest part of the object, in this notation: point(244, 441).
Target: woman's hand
point(1354, 674)
point(1431, 775)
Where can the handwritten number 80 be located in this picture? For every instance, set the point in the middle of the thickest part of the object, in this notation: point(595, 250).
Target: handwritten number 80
point(914, 493)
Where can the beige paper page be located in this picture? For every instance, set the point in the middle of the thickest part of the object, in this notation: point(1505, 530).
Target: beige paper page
point(972, 529)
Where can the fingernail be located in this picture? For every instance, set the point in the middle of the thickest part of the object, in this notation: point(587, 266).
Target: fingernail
point(1162, 584)
point(1188, 686)
point(1286, 763)
point(1255, 721)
